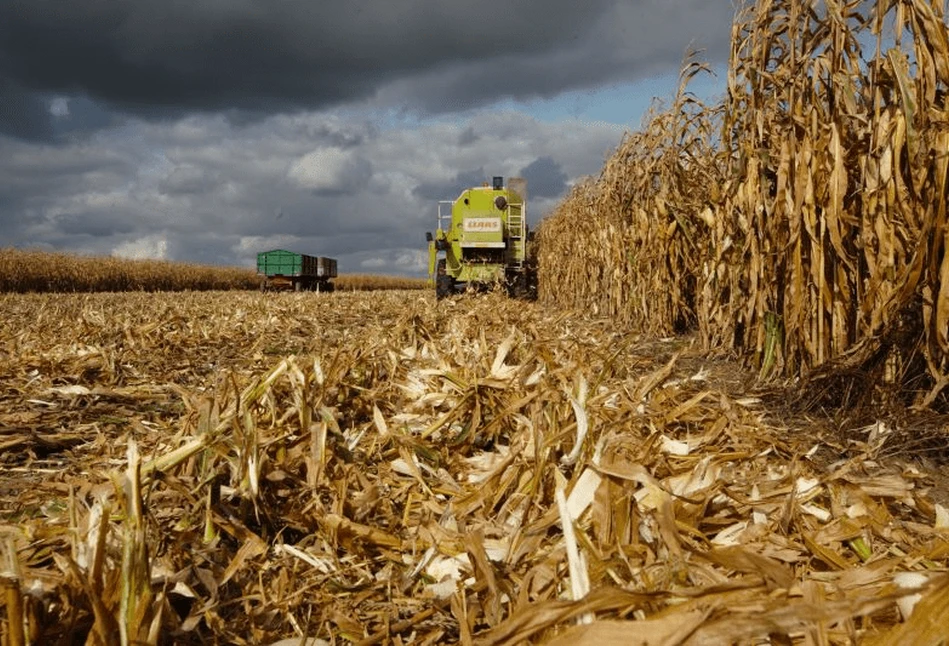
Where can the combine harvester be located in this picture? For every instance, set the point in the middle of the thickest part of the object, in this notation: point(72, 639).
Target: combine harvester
point(485, 240)
point(282, 269)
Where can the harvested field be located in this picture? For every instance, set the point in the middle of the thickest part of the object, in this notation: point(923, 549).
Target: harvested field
point(246, 468)
point(377, 282)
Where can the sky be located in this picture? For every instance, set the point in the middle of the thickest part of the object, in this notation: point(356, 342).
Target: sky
point(208, 130)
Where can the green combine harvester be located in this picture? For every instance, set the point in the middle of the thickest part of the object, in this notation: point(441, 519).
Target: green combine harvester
point(482, 241)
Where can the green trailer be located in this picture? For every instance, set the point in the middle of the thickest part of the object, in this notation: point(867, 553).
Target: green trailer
point(280, 269)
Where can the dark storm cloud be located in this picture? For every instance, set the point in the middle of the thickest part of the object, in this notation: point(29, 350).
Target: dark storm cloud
point(188, 179)
point(449, 190)
point(98, 224)
point(202, 189)
point(247, 57)
point(213, 54)
point(545, 178)
point(312, 217)
point(22, 113)
point(627, 41)
point(468, 136)
point(207, 248)
point(34, 179)
point(82, 116)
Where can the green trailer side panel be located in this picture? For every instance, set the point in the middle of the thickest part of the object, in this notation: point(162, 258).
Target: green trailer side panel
point(279, 262)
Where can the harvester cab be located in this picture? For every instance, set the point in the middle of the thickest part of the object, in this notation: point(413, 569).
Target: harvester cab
point(481, 240)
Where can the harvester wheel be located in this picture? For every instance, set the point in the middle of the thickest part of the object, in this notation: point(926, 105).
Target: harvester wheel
point(516, 286)
point(530, 280)
point(444, 284)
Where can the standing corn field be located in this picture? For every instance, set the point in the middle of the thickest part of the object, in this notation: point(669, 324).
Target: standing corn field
point(615, 238)
point(23, 271)
point(802, 221)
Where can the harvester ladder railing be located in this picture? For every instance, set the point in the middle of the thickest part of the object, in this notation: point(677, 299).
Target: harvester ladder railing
point(516, 231)
point(444, 214)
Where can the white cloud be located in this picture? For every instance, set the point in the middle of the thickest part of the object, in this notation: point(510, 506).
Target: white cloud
point(148, 248)
point(329, 169)
point(412, 260)
point(398, 261)
point(59, 107)
point(254, 244)
point(373, 263)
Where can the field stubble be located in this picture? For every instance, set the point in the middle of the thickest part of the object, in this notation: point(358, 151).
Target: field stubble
point(243, 468)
